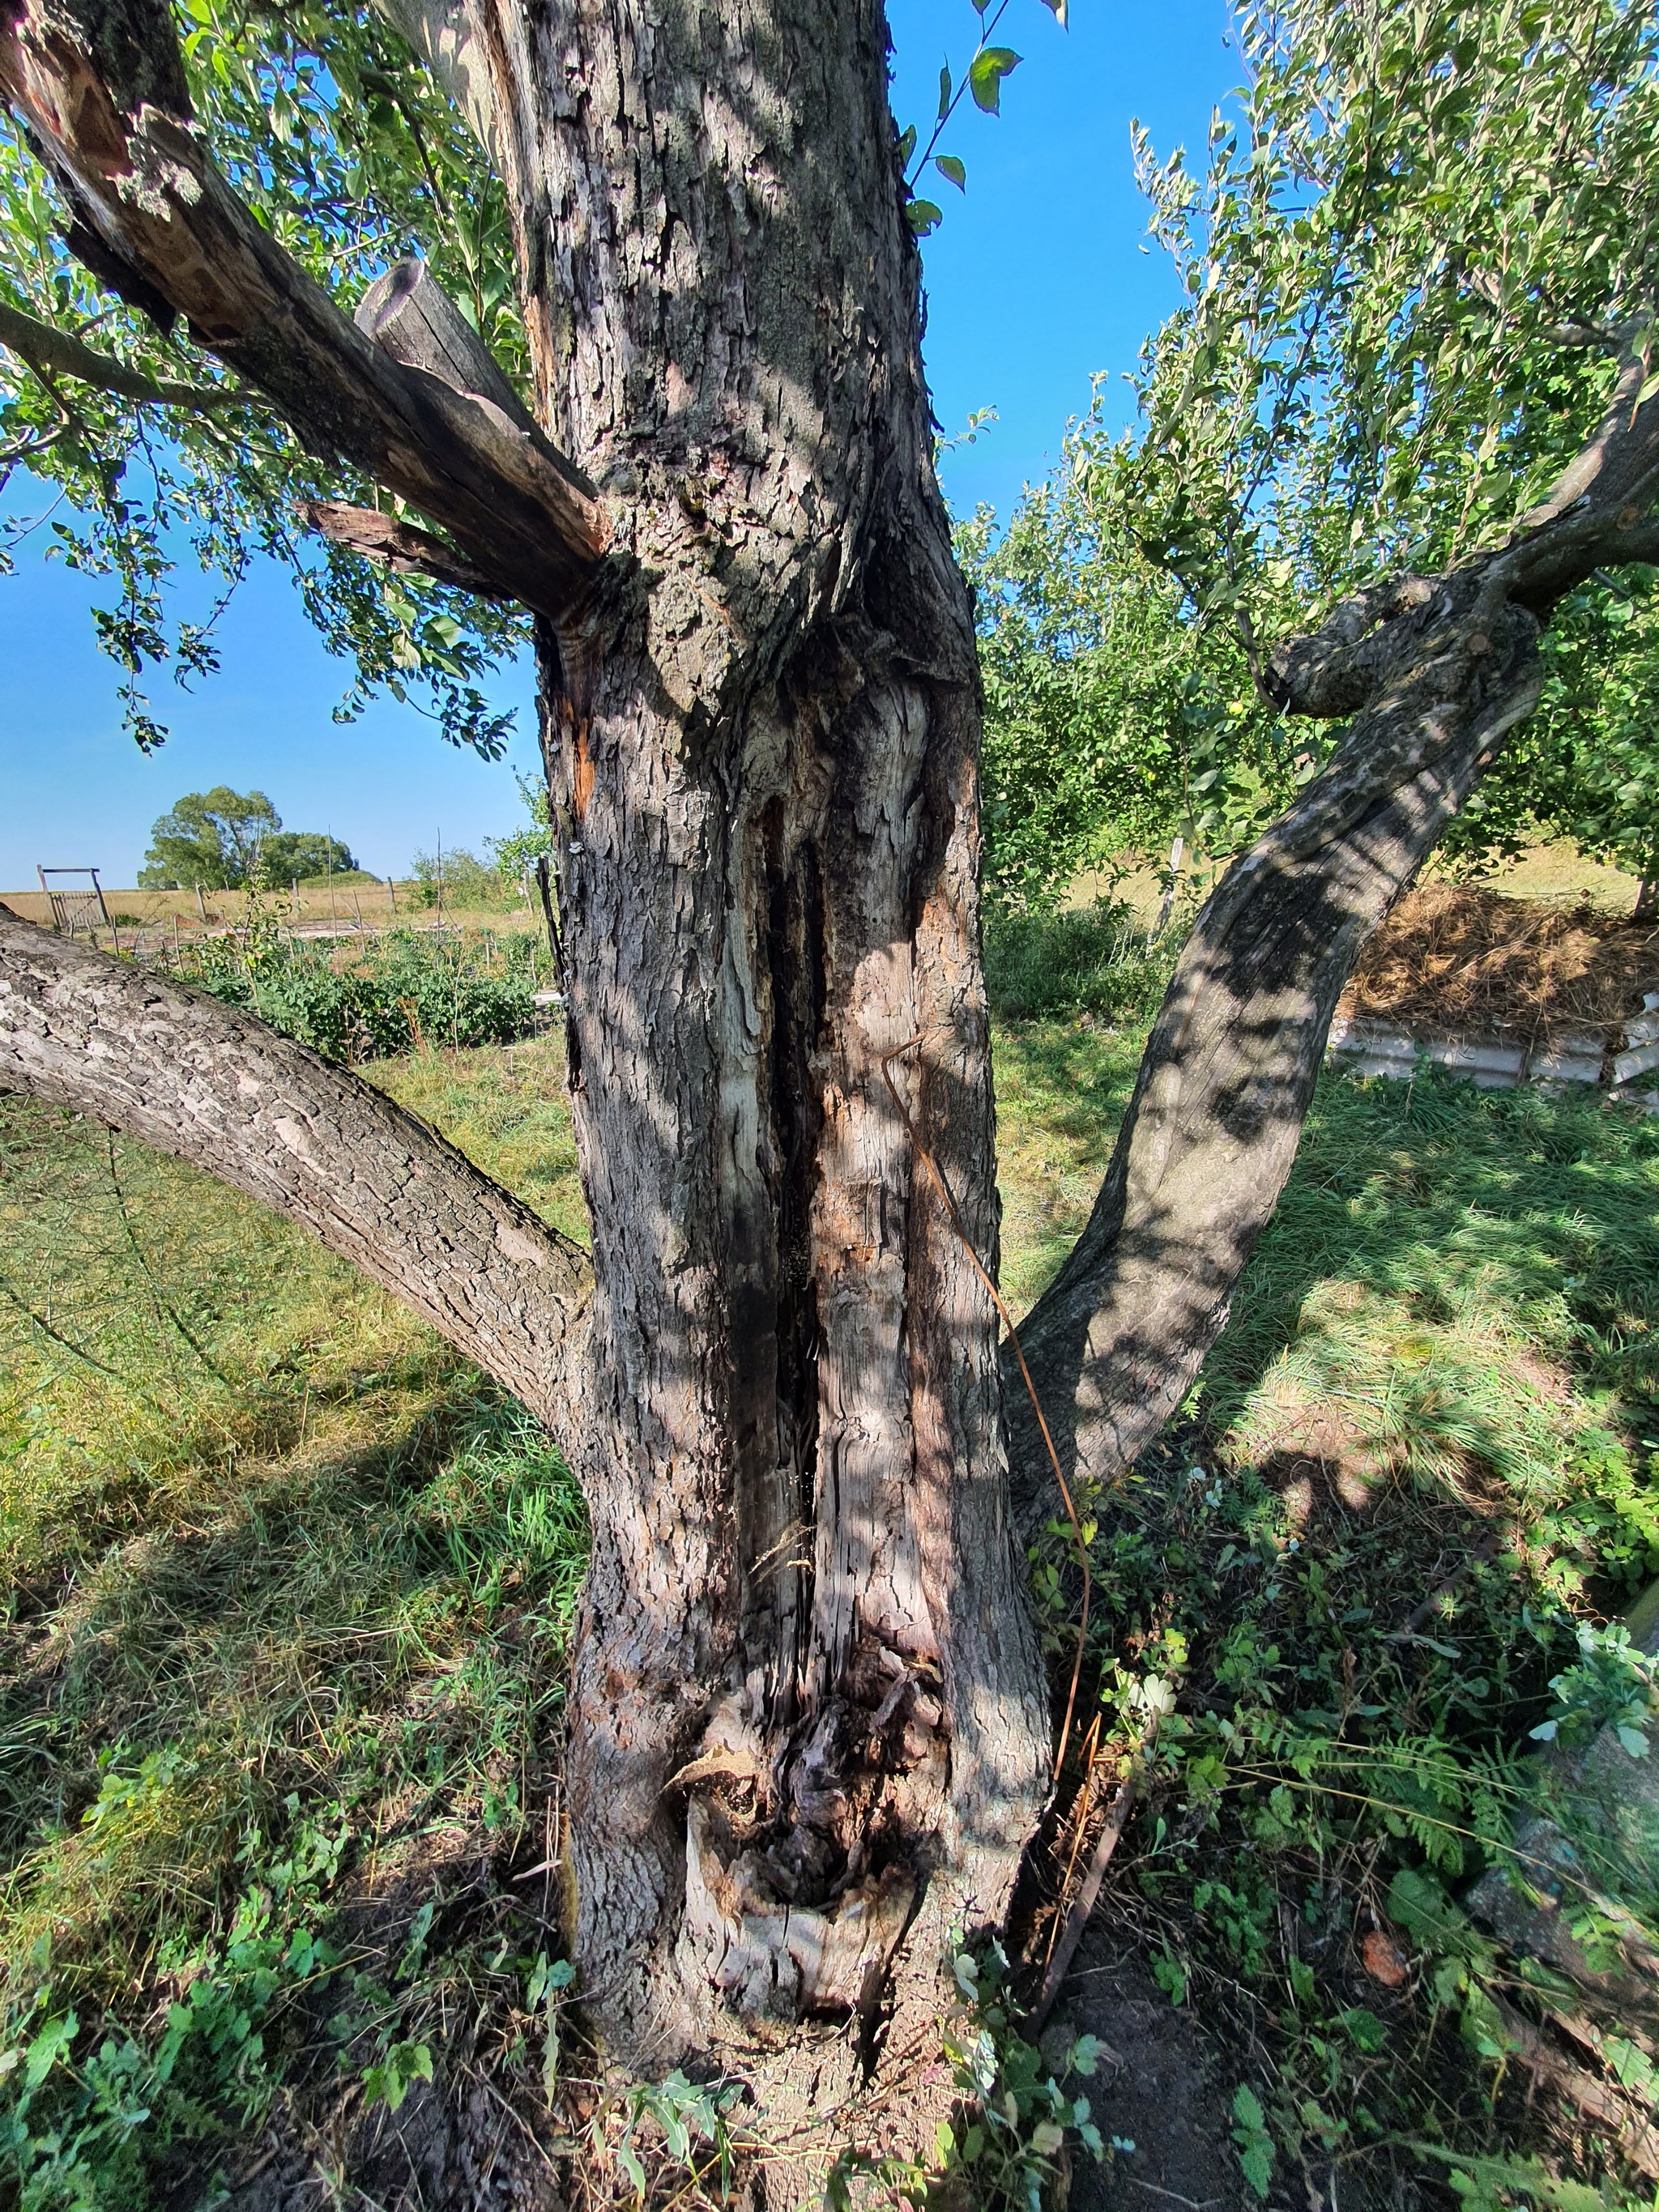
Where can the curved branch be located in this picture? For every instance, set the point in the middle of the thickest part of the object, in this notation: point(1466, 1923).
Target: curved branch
point(101, 88)
point(45, 347)
point(1229, 1072)
point(314, 1142)
point(1436, 670)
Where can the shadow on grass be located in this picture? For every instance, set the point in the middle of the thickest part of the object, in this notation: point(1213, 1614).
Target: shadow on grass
point(1458, 1252)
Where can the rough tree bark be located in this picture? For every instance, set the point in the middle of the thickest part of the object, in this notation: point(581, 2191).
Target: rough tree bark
point(196, 1078)
point(808, 1713)
point(808, 1706)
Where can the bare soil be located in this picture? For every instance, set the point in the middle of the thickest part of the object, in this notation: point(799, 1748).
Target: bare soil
point(1168, 2093)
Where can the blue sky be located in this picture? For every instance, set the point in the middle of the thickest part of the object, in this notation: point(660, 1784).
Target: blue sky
point(1037, 279)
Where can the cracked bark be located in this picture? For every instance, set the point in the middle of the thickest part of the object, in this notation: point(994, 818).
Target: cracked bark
point(808, 1731)
point(807, 1711)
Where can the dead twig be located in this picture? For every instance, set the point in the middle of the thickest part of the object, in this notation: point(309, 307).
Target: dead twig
point(1077, 1918)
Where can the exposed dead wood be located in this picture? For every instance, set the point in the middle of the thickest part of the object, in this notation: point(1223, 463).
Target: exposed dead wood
point(409, 316)
point(1597, 2100)
point(103, 94)
point(1083, 1904)
point(394, 544)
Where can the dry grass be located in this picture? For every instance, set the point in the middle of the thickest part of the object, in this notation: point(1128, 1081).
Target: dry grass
point(1453, 957)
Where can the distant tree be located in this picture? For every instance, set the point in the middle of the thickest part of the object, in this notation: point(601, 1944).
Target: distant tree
point(516, 855)
point(291, 855)
point(1404, 309)
point(210, 838)
point(458, 878)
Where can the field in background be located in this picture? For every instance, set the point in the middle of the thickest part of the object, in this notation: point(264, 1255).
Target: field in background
point(291, 1588)
point(1556, 872)
point(145, 919)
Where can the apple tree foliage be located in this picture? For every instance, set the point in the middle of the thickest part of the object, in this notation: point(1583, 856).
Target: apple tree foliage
point(1422, 239)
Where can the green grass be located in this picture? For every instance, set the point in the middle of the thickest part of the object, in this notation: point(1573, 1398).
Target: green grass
point(290, 1593)
point(1442, 1368)
point(1096, 960)
point(291, 1589)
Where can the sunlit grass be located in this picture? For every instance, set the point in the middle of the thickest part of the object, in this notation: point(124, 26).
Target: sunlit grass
point(288, 1583)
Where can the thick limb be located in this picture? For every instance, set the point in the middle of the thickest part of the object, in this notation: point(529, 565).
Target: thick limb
point(314, 1142)
point(1436, 672)
point(102, 89)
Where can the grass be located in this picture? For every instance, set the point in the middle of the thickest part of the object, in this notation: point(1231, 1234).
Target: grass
point(280, 1675)
point(289, 1588)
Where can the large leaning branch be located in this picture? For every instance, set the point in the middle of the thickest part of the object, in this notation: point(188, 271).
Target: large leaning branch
point(102, 91)
point(314, 1142)
point(1436, 670)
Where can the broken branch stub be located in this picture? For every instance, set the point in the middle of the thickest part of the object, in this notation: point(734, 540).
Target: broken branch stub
point(102, 92)
point(399, 546)
point(408, 314)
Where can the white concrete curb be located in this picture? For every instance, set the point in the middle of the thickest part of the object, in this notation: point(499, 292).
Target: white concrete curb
point(1580, 1056)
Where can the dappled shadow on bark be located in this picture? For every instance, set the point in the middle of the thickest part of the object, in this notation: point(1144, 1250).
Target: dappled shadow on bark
point(1231, 1065)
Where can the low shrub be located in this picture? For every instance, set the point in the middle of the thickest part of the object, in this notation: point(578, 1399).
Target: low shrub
point(1078, 960)
point(407, 994)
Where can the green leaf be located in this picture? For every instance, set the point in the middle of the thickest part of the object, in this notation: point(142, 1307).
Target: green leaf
point(943, 92)
point(925, 217)
point(1366, 2029)
point(47, 2047)
point(949, 166)
point(1059, 8)
point(990, 65)
point(1256, 2154)
point(389, 2082)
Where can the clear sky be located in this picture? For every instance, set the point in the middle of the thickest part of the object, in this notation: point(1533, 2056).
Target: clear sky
point(1036, 279)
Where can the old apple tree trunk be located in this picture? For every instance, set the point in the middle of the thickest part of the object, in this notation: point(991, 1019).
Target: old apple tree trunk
point(807, 1710)
point(806, 1690)
point(809, 1737)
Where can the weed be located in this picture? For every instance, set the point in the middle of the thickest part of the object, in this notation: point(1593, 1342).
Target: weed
point(1409, 1486)
point(409, 990)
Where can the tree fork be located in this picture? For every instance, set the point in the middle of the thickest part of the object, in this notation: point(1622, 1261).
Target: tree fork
point(102, 89)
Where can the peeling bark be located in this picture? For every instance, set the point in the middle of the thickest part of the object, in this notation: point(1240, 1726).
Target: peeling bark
point(808, 1711)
